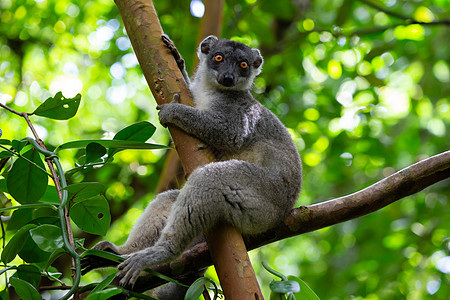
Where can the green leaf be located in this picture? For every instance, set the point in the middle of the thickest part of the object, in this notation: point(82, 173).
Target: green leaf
point(107, 255)
point(119, 144)
point(3, 187)
point(5, 142)
point(162, 276)
point(5, 154)
point(104, 294)
point(31, 253)
point(59, 107)
point(25, 182)
point(102, 285)
point(18, 145)
point(55, 255)
point(24, 289)
point(277, 296)
point(306, 292)
point(285, 287)
point(92, 215)
point(29, 273)
point(47, 237)
point(50, 195)
point(94, 151)
point(84, 190)
point(20, 218)
point(4, 295)
point(196, 289)
point(16, 243)
point(138, 132)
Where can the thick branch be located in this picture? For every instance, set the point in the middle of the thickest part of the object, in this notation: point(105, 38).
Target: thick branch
point(165, 81)
point(161, 72)
point(309, 218)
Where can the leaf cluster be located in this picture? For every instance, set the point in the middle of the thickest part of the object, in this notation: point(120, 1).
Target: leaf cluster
point(37, 230)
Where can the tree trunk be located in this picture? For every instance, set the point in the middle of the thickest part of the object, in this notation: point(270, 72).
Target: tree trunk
point(165, 81)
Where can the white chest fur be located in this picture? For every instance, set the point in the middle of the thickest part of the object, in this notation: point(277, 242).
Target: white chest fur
point(202, 97)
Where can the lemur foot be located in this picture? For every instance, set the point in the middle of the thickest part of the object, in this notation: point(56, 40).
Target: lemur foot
point(175, 53)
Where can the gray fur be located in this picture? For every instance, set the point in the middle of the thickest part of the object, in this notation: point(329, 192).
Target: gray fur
point(255, 181)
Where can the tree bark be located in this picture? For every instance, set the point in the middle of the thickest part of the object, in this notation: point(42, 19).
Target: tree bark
point(310, 218)
point(161, 72)
point(165, 80)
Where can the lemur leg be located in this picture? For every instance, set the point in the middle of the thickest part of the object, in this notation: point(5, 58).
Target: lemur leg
point(144, 234)
point(232, 191)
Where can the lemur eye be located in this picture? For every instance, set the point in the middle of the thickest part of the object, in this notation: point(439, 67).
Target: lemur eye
point(243, 65)
point(218, 58)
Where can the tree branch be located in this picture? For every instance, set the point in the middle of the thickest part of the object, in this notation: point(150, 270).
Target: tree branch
point(310, 218)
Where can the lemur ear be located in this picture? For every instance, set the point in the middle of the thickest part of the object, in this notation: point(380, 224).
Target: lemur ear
point(257, 63)
point(207, 43)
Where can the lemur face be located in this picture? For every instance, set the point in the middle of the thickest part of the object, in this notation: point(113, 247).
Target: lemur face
point(229, 64)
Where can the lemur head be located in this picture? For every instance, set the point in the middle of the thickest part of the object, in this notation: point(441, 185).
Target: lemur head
point(228, 64)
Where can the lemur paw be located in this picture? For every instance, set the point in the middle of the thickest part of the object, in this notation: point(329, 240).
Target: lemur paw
point(166, 110)
point(130, 269)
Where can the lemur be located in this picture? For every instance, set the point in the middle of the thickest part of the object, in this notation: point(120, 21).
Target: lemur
point(253, 184)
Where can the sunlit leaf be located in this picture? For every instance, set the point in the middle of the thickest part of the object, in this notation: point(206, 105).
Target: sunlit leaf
point(196, 289)
point(26, 182)
point(138, 132)
point(59, 107)
point(306, 293)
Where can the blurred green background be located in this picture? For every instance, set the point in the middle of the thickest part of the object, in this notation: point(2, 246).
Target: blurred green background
point(363, 86)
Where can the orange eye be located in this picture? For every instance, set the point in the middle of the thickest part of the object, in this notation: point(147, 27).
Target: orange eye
point(218, 58)
point(243, 65)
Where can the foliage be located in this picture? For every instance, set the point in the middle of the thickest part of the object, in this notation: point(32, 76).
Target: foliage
point(40, 231)
point(363, 87)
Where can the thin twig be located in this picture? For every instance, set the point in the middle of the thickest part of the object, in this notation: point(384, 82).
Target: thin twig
point(10, 109)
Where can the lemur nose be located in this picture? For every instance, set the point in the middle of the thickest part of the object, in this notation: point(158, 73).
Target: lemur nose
point(228, 80)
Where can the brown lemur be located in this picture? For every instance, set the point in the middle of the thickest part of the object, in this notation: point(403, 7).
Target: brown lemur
point(252, 185)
